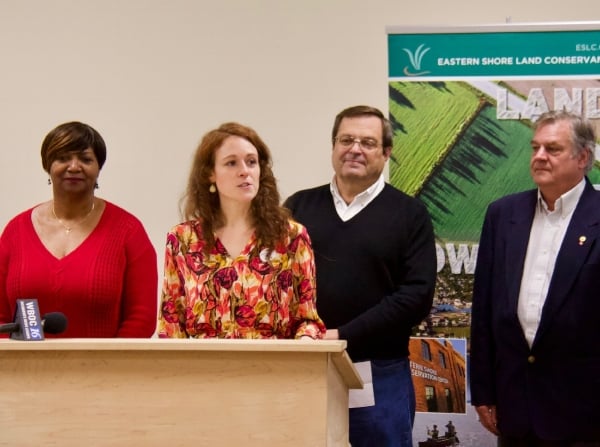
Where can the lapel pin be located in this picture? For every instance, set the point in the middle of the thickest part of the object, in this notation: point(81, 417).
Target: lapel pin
point(582, 240)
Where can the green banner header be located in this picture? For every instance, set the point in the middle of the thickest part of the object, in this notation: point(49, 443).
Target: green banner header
point(545, 53)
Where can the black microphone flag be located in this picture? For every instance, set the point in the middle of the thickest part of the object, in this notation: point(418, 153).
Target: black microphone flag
point(27, 316)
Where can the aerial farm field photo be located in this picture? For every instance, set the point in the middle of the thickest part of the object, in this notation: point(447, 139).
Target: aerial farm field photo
point(459, 145)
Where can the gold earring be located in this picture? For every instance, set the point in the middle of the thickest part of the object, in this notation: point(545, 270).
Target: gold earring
point(212, 188)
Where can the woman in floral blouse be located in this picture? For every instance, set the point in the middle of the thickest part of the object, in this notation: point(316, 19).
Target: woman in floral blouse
point(239, 267)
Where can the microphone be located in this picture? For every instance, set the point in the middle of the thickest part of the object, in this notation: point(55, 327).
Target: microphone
point(52, 323)
point(28, 325)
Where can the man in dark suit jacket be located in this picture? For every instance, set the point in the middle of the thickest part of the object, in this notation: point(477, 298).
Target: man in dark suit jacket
point(535, 354)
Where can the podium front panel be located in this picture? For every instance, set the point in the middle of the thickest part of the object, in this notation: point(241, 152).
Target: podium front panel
point(164, 397)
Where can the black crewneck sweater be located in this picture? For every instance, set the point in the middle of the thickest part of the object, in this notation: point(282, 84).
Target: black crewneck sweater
point(375, 272)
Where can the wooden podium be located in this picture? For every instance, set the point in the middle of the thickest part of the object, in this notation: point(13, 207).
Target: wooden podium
point(154, 392)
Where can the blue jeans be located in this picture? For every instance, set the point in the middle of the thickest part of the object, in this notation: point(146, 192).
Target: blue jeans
point(389, 423)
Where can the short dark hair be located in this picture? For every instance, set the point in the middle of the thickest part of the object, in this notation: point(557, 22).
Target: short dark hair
point(72, 137)
point(354, 111)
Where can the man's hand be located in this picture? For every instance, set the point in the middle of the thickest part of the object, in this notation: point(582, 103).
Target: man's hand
point(487, 417)
point(331, 334)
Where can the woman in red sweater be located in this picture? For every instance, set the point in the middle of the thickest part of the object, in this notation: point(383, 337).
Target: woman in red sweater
point(77, 253)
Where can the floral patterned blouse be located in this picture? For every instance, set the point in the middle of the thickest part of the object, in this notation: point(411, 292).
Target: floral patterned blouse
point(255, 295)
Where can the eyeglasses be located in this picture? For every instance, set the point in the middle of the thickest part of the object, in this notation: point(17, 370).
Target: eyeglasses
point(366, 143)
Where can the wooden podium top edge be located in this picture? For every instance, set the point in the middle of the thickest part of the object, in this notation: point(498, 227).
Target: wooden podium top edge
point(160, 344)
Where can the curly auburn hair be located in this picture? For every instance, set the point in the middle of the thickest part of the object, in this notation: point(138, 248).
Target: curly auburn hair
point(270, 220)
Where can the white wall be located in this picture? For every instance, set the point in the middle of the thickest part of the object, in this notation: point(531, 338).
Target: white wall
point(152, 76)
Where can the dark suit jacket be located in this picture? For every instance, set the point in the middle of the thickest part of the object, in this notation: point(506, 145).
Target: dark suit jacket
point(552, 389)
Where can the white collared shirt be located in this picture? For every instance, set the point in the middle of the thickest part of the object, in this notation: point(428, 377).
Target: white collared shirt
point(547, 233)
point(348, 211)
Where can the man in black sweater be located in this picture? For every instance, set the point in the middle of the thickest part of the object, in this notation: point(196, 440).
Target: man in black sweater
point(376, 268)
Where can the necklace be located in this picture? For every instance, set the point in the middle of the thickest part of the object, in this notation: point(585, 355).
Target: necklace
point(67, 228)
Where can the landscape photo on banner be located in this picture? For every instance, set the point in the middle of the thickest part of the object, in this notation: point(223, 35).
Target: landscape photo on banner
point(462, 102)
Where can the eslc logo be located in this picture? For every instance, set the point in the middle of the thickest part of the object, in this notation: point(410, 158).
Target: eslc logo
point(415, 60)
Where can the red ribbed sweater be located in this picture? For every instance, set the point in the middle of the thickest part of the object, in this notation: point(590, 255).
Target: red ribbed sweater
point(106, 287)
